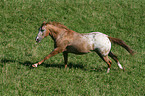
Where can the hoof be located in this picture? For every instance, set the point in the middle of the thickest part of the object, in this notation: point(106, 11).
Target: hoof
point(108, 70)
point(34, 65)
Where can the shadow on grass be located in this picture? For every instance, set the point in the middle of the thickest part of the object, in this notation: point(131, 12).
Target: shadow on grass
point(98, 69)
point(70, 65)
point(6, 60)
point(3, 61)
point(29, 64)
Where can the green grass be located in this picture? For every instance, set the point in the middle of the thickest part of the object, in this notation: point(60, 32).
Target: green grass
point(86, 74)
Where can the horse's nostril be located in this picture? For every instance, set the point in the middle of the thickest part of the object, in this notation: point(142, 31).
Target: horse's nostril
point(37, 40)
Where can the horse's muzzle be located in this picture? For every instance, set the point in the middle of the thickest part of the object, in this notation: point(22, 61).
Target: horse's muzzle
point(37, 40)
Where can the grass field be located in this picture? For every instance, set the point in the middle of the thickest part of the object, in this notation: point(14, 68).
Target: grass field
point(86, 74)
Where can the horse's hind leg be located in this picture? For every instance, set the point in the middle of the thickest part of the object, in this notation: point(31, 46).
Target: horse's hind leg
point(108, 61)
point(113, 56)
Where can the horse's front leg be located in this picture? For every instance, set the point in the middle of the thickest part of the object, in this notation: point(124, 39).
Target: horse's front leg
point(65, 55)
point(56, 51)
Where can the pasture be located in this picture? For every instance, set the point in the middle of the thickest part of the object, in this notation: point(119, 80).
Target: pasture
point(86, 74)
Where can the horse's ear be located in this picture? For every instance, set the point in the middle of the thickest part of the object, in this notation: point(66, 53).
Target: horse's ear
point(44, 22)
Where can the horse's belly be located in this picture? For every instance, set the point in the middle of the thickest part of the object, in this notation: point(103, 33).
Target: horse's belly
point(78, 49)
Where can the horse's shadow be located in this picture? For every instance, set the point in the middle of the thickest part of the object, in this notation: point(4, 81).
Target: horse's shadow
point(29, 64)
point(4, 61)
point(70, 65)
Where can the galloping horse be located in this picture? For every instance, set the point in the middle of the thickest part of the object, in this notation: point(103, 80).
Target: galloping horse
point(68, 41)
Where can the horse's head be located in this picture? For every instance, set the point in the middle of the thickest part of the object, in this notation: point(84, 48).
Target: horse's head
point(43, 32)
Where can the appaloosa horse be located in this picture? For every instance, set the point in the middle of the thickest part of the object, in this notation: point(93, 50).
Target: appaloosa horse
point(68, 41)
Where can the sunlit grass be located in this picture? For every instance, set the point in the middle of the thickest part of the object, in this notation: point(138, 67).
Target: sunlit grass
point(86, 75)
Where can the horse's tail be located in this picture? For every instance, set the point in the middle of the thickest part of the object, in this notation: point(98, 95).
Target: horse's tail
point(121, 43)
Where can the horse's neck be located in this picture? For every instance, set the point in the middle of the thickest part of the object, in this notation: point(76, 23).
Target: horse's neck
point(56, 32)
